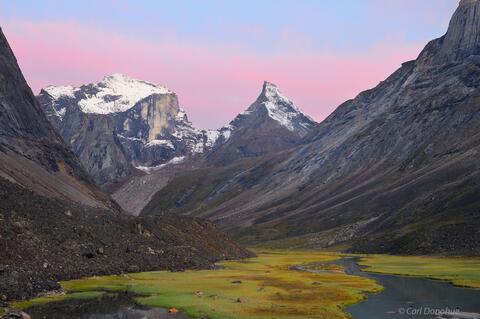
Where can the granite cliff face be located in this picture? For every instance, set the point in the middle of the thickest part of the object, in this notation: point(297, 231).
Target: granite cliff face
point(462, 39)
point(394, 170)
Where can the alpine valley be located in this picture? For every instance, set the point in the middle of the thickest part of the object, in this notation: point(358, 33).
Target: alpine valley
point(114, 205)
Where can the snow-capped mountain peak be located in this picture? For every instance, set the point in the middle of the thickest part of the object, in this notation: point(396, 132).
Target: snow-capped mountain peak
point(280, 108)
point(118, 93)
point(115, 93)
point(121, 82)
point(272, 93)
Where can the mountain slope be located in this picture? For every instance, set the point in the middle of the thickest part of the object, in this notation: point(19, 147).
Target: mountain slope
point(394, 170)
point(56, 225)
point(31, 152)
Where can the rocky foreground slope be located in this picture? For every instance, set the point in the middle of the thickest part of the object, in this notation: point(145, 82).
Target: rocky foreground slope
point(43, 241)
point(394, 170)
point(56, 224)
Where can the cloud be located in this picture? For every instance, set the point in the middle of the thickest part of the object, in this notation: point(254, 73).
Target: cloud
point(214, 82)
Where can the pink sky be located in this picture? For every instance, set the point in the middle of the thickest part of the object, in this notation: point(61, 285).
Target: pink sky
point(214, 82)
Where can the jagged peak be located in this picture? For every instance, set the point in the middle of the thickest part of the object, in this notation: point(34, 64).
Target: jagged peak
point(271, 92)
point(463, 35)
point(279, 108)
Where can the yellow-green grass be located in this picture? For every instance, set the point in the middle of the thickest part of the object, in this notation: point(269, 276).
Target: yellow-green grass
point(463, 272)
point(55, 298)
point(264, 287)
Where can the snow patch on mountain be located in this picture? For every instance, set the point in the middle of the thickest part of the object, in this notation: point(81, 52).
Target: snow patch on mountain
point(58, 92)
point(165, 143)
point(118, 93)
point(150, 169)
point(273, 94)
point(212, 137)
point(130, 138)
point(281, 109)
point(281, 114)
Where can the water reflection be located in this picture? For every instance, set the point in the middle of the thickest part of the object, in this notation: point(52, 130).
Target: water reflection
point(108, 307)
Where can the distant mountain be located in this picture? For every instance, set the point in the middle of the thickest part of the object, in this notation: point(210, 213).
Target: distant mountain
point(271, 124)
point(120, 124)
point(55, 224)
point(394, 170)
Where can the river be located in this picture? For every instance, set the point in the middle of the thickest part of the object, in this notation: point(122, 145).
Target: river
point(413, 297)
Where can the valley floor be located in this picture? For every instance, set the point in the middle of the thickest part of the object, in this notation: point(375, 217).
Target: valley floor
point(276, 284)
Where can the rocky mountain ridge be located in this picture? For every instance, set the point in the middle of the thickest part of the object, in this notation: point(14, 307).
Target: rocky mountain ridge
point(120, 125)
